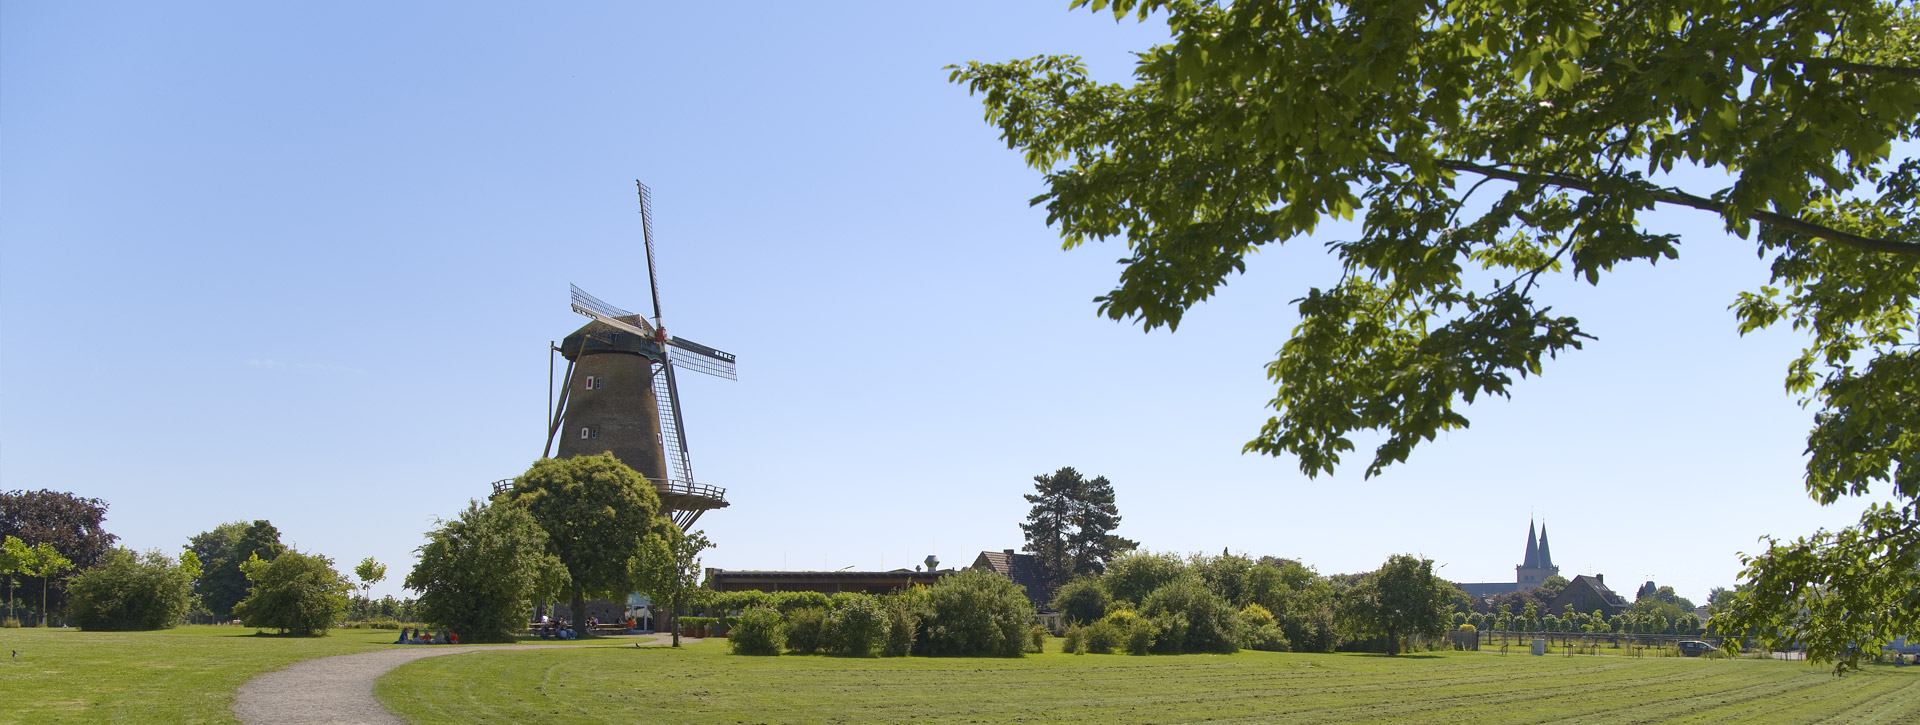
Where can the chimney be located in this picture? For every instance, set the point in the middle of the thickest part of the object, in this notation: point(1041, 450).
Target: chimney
point(1602, 578)
point(1009, 552)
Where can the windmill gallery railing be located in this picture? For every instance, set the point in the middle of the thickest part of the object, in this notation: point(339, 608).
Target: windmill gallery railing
point(661, 486)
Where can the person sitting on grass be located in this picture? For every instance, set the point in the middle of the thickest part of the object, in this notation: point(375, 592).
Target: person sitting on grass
point(453, 638)
point(403, 635)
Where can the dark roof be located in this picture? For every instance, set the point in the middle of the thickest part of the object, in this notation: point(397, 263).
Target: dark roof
point(1546, 556)
point(1482, 590)
point(1587, 593)
point(1533, 550)
point(828, 575)
point(597, 337)
point(1024, 570)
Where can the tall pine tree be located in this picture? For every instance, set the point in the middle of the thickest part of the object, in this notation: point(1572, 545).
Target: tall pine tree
point(1070, 527)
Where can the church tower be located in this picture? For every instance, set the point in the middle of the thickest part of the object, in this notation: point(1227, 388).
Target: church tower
point(1538, 565)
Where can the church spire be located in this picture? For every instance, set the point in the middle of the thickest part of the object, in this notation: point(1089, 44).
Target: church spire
point(1533, 549)
point(1546, 557)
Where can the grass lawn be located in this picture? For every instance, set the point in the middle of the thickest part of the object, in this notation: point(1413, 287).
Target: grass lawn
point(703, 684)
point(180, 675)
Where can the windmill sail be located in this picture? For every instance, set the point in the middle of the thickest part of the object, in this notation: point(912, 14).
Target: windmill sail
point(672, 445)
point(700, 358)
point(591, 306)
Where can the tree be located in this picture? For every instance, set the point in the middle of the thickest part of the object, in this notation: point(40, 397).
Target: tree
point(595, 511)
point(1092, 543)
point(133, 591)
point(480, 573)
point(72, 525)
point(1135, 574)
point(370, 572)
point(1403, 597)
point(295, 593)
point(1070, 527)
point(1082, 601)
point(975, 612)
point(1262, 119)
point(222, 551)
point(14, 557)
point(668, 567)
point(45, 563)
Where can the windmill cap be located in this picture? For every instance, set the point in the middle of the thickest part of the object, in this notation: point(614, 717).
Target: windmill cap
point(595, 338)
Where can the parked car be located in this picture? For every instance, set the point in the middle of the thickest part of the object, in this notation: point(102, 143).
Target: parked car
point(1695, 648)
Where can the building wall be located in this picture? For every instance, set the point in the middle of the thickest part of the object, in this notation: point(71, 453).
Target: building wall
point(623, 414)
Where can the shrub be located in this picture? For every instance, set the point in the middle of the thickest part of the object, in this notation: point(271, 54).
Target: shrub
point(374, 623)
point(1191, 618)
point(737, 601)
point(295, 593)
point(130, 591)
point(10, 623)
point(1140, 636)
point(1082, 600)
point(479, 573)
point(1103, 637)
point(760, 631)
point(859, 626)
point(1036, 639)
point(806, 630)
point(1267, 638)
point(903, 621)
point(787, 602)
point(1132, 576)
point(976, 612)
point(1469, 628)
point(1074, 641)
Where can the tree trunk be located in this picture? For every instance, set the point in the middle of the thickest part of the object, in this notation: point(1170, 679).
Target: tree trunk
point(43, 603)
point(579, 612)
point(1393, 642)
point(676, 619)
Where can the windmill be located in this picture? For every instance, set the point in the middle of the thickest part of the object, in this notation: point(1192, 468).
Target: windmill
point(620, 393)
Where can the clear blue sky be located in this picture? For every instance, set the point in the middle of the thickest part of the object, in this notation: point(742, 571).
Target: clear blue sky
point(303, 263)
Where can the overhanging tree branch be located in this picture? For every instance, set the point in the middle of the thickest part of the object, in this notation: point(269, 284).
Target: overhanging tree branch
point(1681, 198)
point(1865, 69)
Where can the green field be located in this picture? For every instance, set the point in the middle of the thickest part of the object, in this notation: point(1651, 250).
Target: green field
point(180, 675)
point(703, 684)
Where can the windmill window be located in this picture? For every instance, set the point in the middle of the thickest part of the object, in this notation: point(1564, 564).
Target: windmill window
point(589, 432)
point(590, 384)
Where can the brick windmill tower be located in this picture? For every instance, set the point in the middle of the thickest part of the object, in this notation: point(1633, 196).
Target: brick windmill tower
point(620, 394)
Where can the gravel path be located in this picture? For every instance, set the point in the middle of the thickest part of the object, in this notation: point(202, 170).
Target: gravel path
point(339, 689)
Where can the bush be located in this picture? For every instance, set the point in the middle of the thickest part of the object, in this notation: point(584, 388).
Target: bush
point(130, 591)
point(478, 574)
point(976, 612)
point(737, 601)
point(1132, 576)
point(760, 631)
point(903, 621)
point(787, 602)
point(1140, 636)
point(1263, 631)
point(806, 630)
point(375, 623)
point(1191, 618)
point(859, 626)
point(10, 623)
point(1036, 639)
point(1082, 600)
point(1103, 637)
point(1074, 641)
point(295, 593)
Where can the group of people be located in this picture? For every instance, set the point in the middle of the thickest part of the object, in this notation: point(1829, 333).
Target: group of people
point(557, 628)
point(422, 636)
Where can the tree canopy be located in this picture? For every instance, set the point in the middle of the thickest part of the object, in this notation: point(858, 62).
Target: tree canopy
point(596, 512)
point(295, 593)
point(74, 526)
point(1403, 597)
point(479, 574)
point(1069, 529)
point(1263, 119)
point(222, 584)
